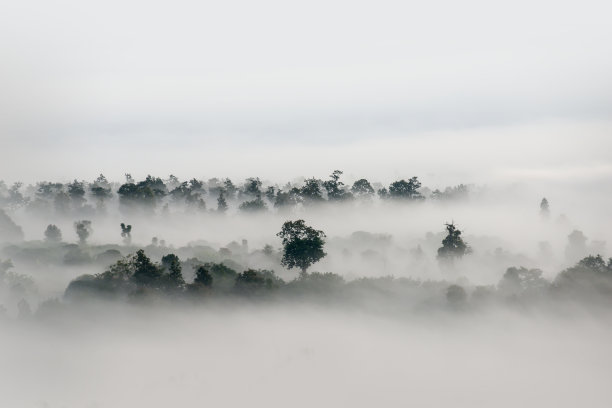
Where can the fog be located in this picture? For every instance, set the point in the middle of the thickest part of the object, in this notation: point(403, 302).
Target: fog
point(304, 357)
point(328, 204)
point(390, 342)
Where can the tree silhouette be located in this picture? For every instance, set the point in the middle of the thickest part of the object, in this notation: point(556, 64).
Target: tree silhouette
point(203, 277)
point(53, 233)
point(403, 189)
point(302, 245)
point(83, 230)
point(126, 233)
point(173, 271)
point(221, 203)
point(362, 188)
point(452, 245)
point(544, 208)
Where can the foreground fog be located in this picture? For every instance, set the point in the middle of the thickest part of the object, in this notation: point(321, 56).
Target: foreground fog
point(294, 356)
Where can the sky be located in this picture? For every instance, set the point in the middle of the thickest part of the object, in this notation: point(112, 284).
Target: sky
point(237, 87)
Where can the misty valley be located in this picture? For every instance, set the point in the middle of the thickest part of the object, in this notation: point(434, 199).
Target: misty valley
point(259, 283)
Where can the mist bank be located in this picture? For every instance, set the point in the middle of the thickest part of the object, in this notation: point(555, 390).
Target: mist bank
point(121, 356)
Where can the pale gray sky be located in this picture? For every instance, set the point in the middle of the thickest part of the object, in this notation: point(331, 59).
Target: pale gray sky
point(84, 83)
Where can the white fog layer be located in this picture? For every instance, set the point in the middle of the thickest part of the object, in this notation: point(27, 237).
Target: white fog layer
point(322, 204)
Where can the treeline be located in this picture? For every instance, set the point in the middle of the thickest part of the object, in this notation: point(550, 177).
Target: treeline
point(215, 195)
point(136, 277)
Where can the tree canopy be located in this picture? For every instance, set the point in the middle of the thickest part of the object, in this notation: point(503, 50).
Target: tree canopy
point(302, 245)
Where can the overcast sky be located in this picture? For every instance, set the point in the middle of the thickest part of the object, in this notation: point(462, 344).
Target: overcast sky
point(83, 84)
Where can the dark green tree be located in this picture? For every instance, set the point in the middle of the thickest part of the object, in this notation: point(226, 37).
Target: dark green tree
point(101, 190)
point(403, 189)
point(255, 205)
point(76, 191)
point(145, 272)
point(270, 193)
point(335, 188)
point(252, 187)
point(203, 277)
point(286, 200)
point(230, 189)
point(173, 273)
point(302, 245)
point(256, 282)
point(142, 195)
point(452, 245)
point(311, 191)
point(362, 189)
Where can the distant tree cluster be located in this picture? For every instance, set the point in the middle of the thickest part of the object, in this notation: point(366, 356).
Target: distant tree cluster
point(252, 196)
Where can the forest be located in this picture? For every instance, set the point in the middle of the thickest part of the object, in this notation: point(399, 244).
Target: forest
point(62, 262)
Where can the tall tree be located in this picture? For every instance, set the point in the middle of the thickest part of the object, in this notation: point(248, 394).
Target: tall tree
point(302, 245)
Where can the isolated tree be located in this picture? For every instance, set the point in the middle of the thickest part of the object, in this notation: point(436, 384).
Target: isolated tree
point(83, 230)
point(302, 245)
point(544, 208)
point(452, 245)
point(126, 233)
point(53, 233)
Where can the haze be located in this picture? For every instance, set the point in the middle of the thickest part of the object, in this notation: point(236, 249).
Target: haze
point(336, 204)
